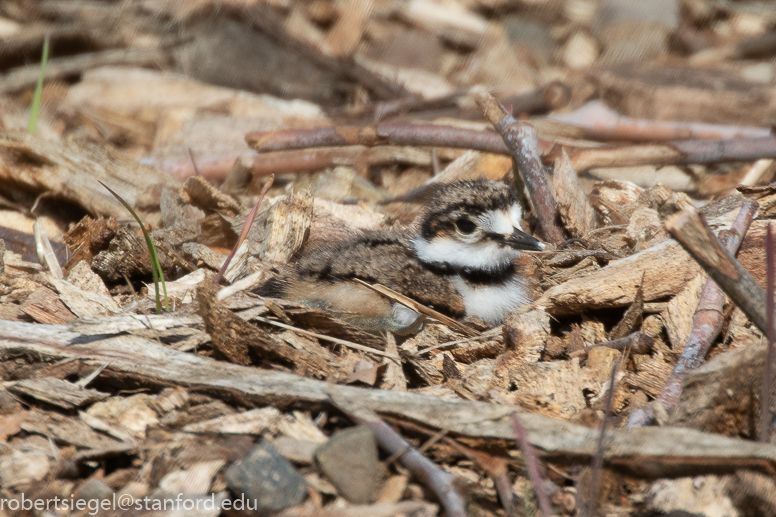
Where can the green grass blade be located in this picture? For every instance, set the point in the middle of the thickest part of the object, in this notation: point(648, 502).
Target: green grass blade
point(37, 97)
point(156, 267)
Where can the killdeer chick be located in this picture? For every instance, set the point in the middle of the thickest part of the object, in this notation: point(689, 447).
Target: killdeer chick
point(457, 257)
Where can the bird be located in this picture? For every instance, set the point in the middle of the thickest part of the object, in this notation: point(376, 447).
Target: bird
point(457, 257)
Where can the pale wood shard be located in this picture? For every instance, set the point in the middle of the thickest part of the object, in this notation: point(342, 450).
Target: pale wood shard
point(82, 277)
point(645, 452)
point(254, 421)
point(44, 305)
point(100, 425)
point(286, 228)
point(651, 377)
point(574, 207)
point(450, 21)
point(85, 304)
point(559, 381)
point(632, 318)
point(71, 172)
point(393, 378)
point(346, 34)
point(644, 228)
point(526, 334)
point(57, 392)
point(15, 266)
point(66, 429)
point(203, 195)
point(698, 495)
point(679, 314)
point(116, 324)
point(46, 254)
point(615, 200)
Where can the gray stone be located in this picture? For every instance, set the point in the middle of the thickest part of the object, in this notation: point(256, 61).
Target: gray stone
point(268, 482)
point(94, 490)
point(349, 460)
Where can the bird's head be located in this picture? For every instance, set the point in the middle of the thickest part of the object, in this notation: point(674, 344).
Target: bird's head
point(473, 226)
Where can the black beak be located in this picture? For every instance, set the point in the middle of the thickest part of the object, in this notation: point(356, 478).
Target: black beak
point(522, 241)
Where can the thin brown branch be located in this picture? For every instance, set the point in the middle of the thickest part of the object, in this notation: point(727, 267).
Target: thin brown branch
point(598, 457)
point(523, 144)
point(426, 471)
point(244, 232)
point(680, 152)
point(599, 122)
point(532, 465)
point(384, 133)
point(767, 391)
point(707, 324)
point(638, 342)
point(692, 232)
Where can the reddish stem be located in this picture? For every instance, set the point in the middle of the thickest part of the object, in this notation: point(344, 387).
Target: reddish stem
point(532, 465)
point(767, 391)
point(245, 229)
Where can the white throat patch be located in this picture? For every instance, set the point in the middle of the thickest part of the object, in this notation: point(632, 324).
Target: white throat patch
point(481, 257)
point(490, 303)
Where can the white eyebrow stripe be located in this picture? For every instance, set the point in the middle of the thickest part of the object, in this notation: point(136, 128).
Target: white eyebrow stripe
point(497, 221)
point(516, 213)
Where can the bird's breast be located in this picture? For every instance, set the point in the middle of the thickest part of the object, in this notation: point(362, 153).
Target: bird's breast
point(491, 301)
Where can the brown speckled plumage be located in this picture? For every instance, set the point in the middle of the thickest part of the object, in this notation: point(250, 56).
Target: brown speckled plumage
point(386, 259)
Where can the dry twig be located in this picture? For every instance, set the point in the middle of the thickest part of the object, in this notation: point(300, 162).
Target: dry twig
point(337, 341)
point(680, 152)
point(598, 457)
point(767, 391)
point(523, 144)
point(638, 342)
point(599, 122)
point(245, 229)
point(532, 464)
point(384, 133)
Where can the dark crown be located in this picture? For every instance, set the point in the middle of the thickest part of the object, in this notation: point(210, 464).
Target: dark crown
point(450, 201)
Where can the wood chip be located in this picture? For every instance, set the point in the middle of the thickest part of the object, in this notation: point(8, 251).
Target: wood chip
point(574, 207)
point(57, 392)
point(44, 305)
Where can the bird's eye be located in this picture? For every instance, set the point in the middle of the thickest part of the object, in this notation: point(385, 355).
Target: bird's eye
point(465, 226)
